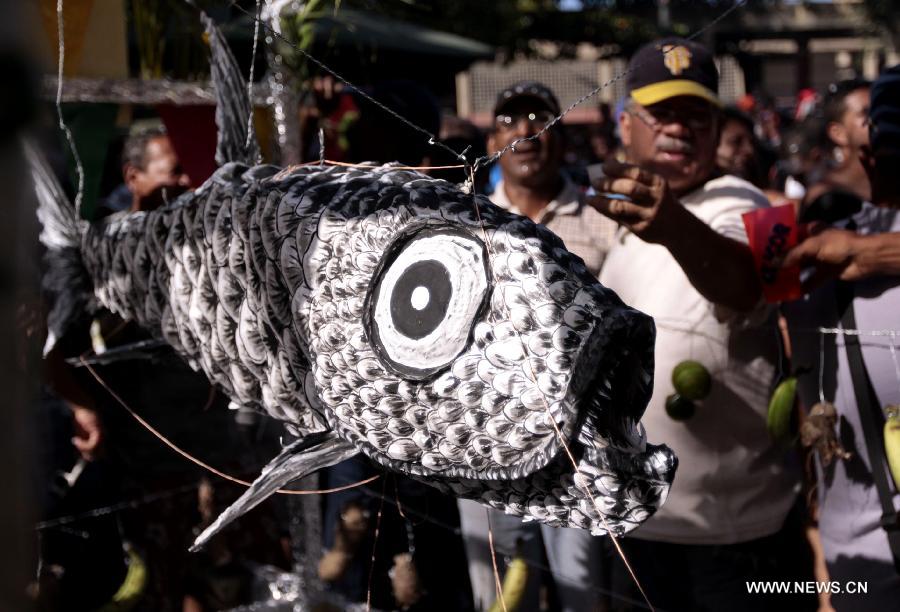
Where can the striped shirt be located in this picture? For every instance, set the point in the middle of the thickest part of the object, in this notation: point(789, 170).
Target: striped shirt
point(585, 232)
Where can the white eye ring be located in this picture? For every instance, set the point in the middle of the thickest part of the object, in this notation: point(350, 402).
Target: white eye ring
point(429, 290)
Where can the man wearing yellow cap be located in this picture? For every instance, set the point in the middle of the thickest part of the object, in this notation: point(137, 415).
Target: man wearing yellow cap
point(681, 256)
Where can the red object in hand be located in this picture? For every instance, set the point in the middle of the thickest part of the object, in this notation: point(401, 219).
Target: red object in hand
point(772, 233)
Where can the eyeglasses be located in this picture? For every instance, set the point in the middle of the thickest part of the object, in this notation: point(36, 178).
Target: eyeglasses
point(697, 119)
point(538, 119)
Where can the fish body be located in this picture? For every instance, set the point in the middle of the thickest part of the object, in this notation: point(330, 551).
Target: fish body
point(382, 312)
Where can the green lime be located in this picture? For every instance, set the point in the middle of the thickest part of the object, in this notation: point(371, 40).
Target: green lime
point(691, 380)
point(679, 408)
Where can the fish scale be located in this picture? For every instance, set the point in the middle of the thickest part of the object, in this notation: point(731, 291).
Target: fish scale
point(270, 281)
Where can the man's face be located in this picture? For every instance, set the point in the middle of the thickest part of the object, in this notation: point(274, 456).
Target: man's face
point(736, 152)
point(856, 118)
point(160, 179)
point(675, 138)
point(533, 163)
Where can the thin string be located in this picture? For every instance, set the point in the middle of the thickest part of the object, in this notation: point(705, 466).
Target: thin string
point(578, 477)
point(857, 332)
point(200, 463)
point(60, 35)
point(40, 559)
point(321, 147)
point(250, 80)
point(375, 547)
point(779, 341)
point(661, 323)
point(432, 139)
point(385, 168)
point(103, 511)
point(400, 507)
point(455, 530)
point(497, 586)
point(821, 368)
point(488, 159)
point(894, 358)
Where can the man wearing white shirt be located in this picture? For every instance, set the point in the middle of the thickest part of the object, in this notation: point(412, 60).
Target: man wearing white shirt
point(682, 258)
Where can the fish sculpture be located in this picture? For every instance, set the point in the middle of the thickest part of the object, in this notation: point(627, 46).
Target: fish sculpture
point(378, 311)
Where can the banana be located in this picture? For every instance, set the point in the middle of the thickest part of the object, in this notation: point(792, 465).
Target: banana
point(131, 588)
point(781, 407)
point(892, 441)
point(514, 583)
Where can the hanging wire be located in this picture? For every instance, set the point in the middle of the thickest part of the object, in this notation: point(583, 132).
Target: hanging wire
point(579, 479)
point(375, 546)
point(61, 39)
point(111, 509)
point(821, 368)
point(856, 332)
point(893, 348)
point(497, 585)
point(198, 462)
point(250, 80)
point(432, 139)
point(488, 159)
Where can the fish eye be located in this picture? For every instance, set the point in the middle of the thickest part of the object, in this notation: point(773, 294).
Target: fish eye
point(429, 291)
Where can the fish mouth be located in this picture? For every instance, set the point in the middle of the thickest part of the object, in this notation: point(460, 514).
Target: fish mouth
point(612, 480)
point(604, 476)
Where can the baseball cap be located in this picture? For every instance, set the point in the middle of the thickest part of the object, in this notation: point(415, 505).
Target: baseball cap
point(672, 67)
point(527, 89)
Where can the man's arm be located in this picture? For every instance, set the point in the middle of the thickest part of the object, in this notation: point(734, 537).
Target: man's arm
point(720, 268)
point(846, 255)
point(88, 428)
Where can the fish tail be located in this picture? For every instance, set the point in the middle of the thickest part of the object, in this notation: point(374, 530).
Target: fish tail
point(66, 281)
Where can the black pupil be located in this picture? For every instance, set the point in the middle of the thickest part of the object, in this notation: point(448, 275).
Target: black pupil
point(420, 298)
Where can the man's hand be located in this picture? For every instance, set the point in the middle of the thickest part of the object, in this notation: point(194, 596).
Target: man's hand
point(652, 203)
point(88, 432)
point(719, 268)
point(833, 253)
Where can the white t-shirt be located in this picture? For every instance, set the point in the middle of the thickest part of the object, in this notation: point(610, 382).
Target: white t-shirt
point(733, 483)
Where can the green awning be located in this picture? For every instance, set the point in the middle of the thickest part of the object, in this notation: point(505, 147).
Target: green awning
point(351, 28)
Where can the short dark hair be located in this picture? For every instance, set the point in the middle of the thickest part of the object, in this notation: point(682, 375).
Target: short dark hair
point(730, 113)
point(834, 105)
point(134, 151)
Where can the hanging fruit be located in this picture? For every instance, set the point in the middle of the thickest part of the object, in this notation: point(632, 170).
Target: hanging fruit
point(781, 407)
point(691, 380)
point(892, 441)
point(514, 583)
point(679, 408)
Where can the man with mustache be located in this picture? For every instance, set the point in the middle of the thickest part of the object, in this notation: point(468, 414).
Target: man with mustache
point(152, 171)
point(533, 185)
point(681, 257)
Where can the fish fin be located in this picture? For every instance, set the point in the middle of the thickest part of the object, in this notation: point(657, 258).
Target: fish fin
point(66, 280)
point(233, 105)
point(311, 453)
point(143, 349)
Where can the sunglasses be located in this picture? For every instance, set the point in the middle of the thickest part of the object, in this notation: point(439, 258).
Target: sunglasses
point(697, 119)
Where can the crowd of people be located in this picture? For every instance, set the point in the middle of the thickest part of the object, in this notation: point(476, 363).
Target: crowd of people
point(658, 217)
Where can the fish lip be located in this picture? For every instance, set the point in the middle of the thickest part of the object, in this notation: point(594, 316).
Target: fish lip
point(614, 397)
